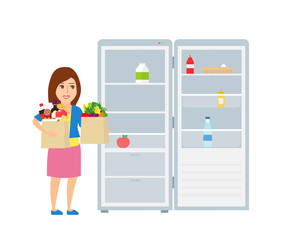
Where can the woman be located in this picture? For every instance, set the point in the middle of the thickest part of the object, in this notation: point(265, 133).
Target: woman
point(64, 86)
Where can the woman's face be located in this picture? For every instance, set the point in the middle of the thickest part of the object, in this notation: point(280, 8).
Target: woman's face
point(66, 91)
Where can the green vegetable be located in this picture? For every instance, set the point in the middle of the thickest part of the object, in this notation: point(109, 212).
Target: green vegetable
point(91, 108)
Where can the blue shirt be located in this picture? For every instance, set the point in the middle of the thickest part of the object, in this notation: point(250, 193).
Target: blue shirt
point(74, 122)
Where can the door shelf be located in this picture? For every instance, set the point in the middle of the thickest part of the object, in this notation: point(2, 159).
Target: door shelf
point(202, 101)
point(223, 119)
point(210, 95)
point(195, 109)
point(206, 85)
point(221, 139)
point(212, 58)
point(213, 130)
point(211, 74)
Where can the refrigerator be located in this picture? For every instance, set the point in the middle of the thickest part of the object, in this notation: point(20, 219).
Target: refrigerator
point(164, 97)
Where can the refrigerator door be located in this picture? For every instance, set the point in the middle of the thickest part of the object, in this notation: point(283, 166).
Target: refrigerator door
point(135, 85)
point(211, 124)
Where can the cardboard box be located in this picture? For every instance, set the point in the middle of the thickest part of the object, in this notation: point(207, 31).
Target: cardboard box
point(94, 130)
point(62, 131)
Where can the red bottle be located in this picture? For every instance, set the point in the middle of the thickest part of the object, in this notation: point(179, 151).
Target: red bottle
point(41, 111)
point(190, 66)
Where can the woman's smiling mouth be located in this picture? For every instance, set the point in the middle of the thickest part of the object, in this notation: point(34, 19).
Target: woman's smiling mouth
point(66, 96)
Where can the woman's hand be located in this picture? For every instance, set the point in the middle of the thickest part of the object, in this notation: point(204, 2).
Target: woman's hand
point(51, 134)
point(109, 131)
point(40, 127)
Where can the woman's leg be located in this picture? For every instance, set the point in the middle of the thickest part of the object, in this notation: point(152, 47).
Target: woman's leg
point(70, 189)
point(54, 185)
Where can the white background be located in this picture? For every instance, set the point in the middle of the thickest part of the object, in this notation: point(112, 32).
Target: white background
point(37, 37)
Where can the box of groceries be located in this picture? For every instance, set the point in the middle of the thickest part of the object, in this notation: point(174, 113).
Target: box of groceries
point(61, 140)
point(54, 118)
point(94, 124)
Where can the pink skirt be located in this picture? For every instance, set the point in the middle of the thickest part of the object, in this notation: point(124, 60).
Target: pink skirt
point(64, 162)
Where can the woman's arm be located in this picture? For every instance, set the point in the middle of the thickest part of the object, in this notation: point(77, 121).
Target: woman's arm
point(40, 127)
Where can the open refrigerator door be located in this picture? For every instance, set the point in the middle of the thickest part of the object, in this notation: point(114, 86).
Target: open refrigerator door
point(211, 127)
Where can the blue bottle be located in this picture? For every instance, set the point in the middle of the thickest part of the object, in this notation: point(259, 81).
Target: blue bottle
point(207, 138)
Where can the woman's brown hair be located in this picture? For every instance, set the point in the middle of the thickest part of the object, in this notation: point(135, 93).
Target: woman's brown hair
point(60, 75)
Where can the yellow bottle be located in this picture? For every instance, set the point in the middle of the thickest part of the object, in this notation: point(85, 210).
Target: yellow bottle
point(221, 99)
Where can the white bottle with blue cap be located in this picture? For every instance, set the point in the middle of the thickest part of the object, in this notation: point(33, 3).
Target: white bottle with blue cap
point(207, 138)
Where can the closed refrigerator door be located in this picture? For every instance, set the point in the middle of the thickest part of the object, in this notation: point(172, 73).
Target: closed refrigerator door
point(135, 86)
point(211, 124)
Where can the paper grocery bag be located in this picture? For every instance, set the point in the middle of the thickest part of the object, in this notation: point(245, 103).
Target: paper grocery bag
point(62, 131)
point(94, 130)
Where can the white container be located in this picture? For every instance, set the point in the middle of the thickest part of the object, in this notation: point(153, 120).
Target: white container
point(142, 73)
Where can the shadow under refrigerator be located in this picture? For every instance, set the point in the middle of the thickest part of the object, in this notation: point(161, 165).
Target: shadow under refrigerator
point(190, 135)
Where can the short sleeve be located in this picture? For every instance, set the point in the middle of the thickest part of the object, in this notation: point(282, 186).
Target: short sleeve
point(38, 117)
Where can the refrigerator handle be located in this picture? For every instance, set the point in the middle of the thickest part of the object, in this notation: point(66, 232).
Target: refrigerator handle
point(173, 122)
point(172, 62)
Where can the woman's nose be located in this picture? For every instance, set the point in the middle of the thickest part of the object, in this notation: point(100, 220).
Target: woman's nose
point(66, 89)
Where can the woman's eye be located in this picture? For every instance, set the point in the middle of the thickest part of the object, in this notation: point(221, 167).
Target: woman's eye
point(72, 86)
point(61, 86)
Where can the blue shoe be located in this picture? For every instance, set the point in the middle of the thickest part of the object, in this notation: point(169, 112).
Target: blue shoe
point(57, 212)
point(73, 212)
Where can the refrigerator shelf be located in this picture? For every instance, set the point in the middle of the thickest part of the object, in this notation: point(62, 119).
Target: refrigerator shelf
point(221, 118)
point(135, 123)
point(210, 74)
point(135, 177)
point(204, 101)
point(149, 134)
point(135, 84)
point(134, 164)
point(135, 190)
point(214, 56)
point(130, 98)
point(213, 130)
point(206, 85)
point(136, 112)
point(137, 150)
point(210, 95)
point(221, 139)
point(139, 140)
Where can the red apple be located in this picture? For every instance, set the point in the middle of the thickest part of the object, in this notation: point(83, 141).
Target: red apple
point(123, 142)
